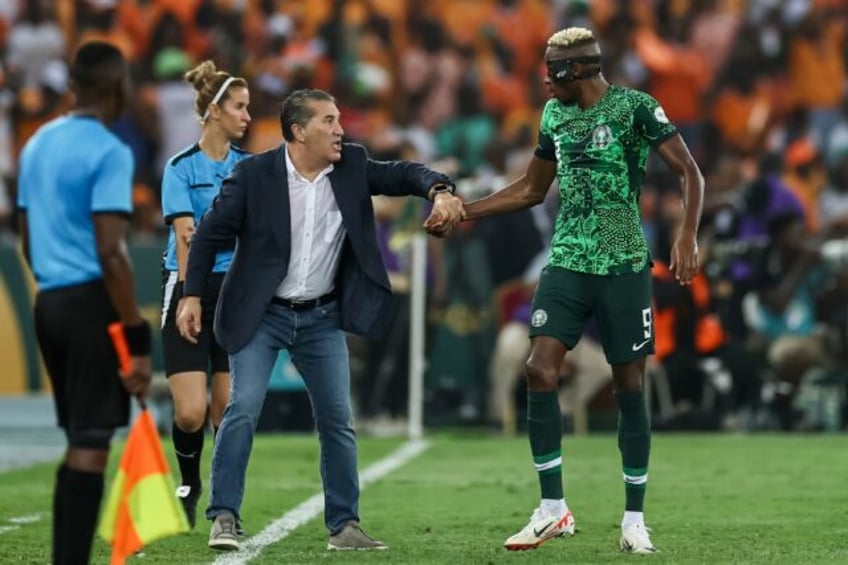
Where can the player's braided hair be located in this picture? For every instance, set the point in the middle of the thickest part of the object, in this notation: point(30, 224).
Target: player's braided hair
point(207, 80)
point(571, 37)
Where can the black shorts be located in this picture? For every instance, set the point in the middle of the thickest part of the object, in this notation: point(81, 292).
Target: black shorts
point(71, 325)
point(180, 355)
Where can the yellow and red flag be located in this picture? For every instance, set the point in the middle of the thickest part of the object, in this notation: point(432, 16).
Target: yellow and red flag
point(141, 506)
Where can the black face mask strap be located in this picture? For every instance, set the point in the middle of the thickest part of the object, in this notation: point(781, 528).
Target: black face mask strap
point(559, 70)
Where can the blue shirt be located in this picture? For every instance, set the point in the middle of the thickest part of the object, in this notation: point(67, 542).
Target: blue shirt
point(799, 316)
point(73, 167)
point(191, 182)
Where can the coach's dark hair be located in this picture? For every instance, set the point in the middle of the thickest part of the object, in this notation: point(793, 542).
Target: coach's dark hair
point(98, 67)
point(296, 109)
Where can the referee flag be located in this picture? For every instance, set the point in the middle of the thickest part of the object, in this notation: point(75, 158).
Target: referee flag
point(141, 506)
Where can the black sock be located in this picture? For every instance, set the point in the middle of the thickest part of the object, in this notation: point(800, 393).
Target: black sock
point(189, 446)
point(80, 495)
point(58, 515)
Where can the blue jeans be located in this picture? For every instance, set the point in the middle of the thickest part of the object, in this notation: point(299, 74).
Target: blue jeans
point(319, 352)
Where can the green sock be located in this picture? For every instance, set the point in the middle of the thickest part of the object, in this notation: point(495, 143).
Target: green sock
point(634, 442)
point(544, 426)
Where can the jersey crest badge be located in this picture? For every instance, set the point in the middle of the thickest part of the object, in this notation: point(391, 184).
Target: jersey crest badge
point(539, 318)
point(659, 115)
point(601, 137)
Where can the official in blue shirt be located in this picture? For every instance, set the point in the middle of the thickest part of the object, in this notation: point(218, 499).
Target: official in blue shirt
point(191, 181)
point(75, 183)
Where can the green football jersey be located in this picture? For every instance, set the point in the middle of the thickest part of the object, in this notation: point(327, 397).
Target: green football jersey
point(601, 154)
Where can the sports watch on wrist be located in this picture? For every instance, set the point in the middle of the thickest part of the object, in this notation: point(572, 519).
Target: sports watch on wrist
point(441, 188)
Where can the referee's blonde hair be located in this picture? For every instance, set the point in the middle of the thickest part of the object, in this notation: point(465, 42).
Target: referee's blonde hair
point(571, 37)
point(207, 80)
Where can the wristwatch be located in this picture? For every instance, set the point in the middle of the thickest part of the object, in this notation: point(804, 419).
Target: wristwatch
point(442, 187)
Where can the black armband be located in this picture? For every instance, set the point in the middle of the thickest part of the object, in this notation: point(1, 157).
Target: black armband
point(138, 338)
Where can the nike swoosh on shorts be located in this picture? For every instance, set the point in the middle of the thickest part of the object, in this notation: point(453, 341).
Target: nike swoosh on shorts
point(637, 347)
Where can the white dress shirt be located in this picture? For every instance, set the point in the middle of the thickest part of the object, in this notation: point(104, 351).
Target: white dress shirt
point(317, 235)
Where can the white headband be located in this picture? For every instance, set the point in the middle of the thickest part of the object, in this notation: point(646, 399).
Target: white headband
point(218, 95)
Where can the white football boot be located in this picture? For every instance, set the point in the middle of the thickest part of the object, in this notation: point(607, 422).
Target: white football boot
point(541, 528)
point(635, 539)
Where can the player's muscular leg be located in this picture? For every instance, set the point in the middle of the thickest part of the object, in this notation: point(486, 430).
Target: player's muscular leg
point(542, 367)
point(629, 377)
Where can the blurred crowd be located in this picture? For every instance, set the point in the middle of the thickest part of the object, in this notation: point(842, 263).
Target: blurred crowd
point(757, 89)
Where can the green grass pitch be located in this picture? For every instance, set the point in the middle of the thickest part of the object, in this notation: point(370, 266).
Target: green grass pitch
point(711, 499)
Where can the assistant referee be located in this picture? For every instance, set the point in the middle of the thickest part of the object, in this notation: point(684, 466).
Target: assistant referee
point(75, 183)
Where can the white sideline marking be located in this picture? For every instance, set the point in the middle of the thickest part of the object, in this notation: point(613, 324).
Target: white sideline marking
point(28, 519)
point(310, 508)
point(17, 521)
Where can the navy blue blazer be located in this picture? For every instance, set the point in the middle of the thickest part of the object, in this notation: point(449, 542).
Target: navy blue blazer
point(252, 209)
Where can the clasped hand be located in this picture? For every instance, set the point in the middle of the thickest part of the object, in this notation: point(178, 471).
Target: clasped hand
point(446, 213)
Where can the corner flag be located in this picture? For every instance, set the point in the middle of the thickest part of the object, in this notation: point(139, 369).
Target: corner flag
point(141, 506)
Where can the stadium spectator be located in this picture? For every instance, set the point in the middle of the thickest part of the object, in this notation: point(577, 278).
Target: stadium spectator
point(75, 198)
point(598, 263)
point(381, 389)
point(583, 372)
point(146, 222)
point(834, 200)
point(300, 214)
point(740, 229)
point(817, 68)
point(98, 20)
point(805, 175)
point(679, 75)
point(35, 42)
point(714, 381)
point(174, 99)
point(382, 392)
point(789, 279)
point(191, 181)
point(468, 133)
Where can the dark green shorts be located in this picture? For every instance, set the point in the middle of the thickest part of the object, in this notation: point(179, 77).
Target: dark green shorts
point(621, 304)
